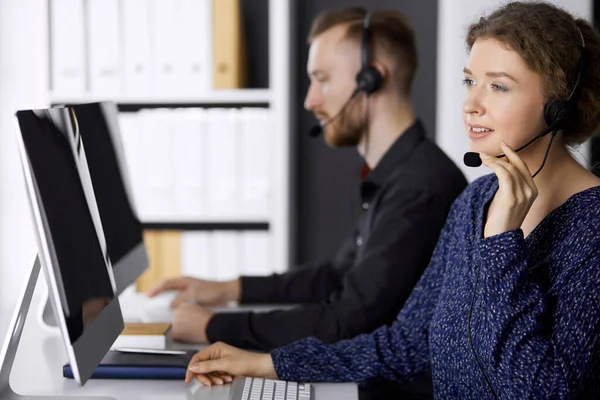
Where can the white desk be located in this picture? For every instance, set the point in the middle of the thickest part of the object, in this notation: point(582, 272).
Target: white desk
point(41, 355)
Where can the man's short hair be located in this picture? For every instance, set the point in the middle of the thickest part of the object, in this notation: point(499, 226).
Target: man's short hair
point(391, 36)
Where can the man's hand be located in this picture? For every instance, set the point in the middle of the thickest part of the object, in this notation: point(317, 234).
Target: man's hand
point(190, 322)
point(220, 363)
point(207, 293)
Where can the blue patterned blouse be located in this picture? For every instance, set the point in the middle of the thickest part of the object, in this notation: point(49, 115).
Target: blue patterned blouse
point(534, 307)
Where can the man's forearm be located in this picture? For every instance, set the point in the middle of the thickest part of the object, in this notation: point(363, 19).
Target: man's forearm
point(233, 290)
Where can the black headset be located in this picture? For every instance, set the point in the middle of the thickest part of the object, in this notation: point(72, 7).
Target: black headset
point(368, 79)
point(557, 112)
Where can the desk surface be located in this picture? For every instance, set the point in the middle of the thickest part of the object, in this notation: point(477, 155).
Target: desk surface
point(41, 355)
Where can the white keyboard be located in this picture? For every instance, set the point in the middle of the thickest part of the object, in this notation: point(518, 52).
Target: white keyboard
point(269, 389)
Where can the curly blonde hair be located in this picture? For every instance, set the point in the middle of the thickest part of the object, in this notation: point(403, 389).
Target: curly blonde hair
point(547, 39)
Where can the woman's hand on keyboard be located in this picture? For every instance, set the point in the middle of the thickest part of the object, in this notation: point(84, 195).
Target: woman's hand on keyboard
point(220, 363)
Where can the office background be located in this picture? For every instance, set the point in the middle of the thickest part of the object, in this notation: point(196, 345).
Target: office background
point(315, 188)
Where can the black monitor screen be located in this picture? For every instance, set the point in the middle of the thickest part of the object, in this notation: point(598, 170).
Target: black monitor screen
point(85, 281)
point(121, 227)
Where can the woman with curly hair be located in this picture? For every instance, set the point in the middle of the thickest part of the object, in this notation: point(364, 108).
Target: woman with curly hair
point(509, 306)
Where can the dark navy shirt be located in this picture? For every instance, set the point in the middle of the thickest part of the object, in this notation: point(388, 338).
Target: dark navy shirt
point(535, 322)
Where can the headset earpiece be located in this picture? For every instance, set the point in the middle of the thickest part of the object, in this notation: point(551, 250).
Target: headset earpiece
point(555, 112)
point(369, 79)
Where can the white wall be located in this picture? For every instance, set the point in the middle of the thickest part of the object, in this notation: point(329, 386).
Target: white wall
point(454, 16)
point(23, 84)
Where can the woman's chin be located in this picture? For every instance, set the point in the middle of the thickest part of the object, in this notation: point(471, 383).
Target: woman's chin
point(490, 149)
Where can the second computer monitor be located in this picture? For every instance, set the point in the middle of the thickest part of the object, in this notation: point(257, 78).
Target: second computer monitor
point(100, 134)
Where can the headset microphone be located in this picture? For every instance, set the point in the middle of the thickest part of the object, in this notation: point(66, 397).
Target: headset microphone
point(318, 129)
point(315, 131)
point(472, 159)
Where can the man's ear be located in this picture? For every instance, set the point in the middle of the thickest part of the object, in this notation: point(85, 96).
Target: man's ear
point(383, 71)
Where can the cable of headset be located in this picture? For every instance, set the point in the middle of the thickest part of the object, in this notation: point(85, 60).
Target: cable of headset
point(546, 154)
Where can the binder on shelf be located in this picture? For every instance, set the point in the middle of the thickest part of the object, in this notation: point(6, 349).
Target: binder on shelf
point(255, 254)
point(102, 24)
point(67, 46)
point(229, 45)
point(124, 365)
point(157, 160)
point(164, 255)
point(135, 52)
point(129, 126)
point(223, 162)
point(226, 246)
point(196, 57)
point(189, 139)
point(196, 256)
point(167, 21)
point(256, 158)
point(224, 255)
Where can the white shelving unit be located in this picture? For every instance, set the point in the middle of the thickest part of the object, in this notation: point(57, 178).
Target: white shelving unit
point(221, 96)
point(276, 97)
point(25, 82)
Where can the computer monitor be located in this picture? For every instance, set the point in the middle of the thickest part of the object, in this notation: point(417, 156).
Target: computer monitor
point(99, 128)
point(71, 245)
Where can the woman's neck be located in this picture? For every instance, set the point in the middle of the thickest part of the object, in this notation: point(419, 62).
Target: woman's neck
point(560, 178)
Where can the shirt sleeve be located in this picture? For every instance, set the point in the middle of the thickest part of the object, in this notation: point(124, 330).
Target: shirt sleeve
point(397, 352)
point(392, 260)
point(309, 283)
point(533, 344)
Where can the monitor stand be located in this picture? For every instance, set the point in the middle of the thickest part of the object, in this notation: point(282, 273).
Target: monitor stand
point(11, 344)
point(47, 317)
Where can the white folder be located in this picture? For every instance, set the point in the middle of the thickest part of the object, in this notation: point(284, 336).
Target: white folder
point(67, 53)
point(135, 52)
point(255, 252)
point(129, 127)
point(223, 173)
point(256, 158)
point(167, 23)
point(102, 17)
point(197, 57)
point(225, 246)
point(189, 145)
point(196, 255)
point(157, 194)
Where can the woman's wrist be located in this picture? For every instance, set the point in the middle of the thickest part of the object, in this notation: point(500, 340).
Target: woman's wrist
point(267, 367)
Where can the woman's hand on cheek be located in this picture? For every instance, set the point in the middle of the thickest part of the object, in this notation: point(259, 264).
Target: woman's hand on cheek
point(516, 192)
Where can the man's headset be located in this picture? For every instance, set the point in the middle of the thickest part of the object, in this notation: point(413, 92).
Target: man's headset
point(368, 79)
point(556, 113)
